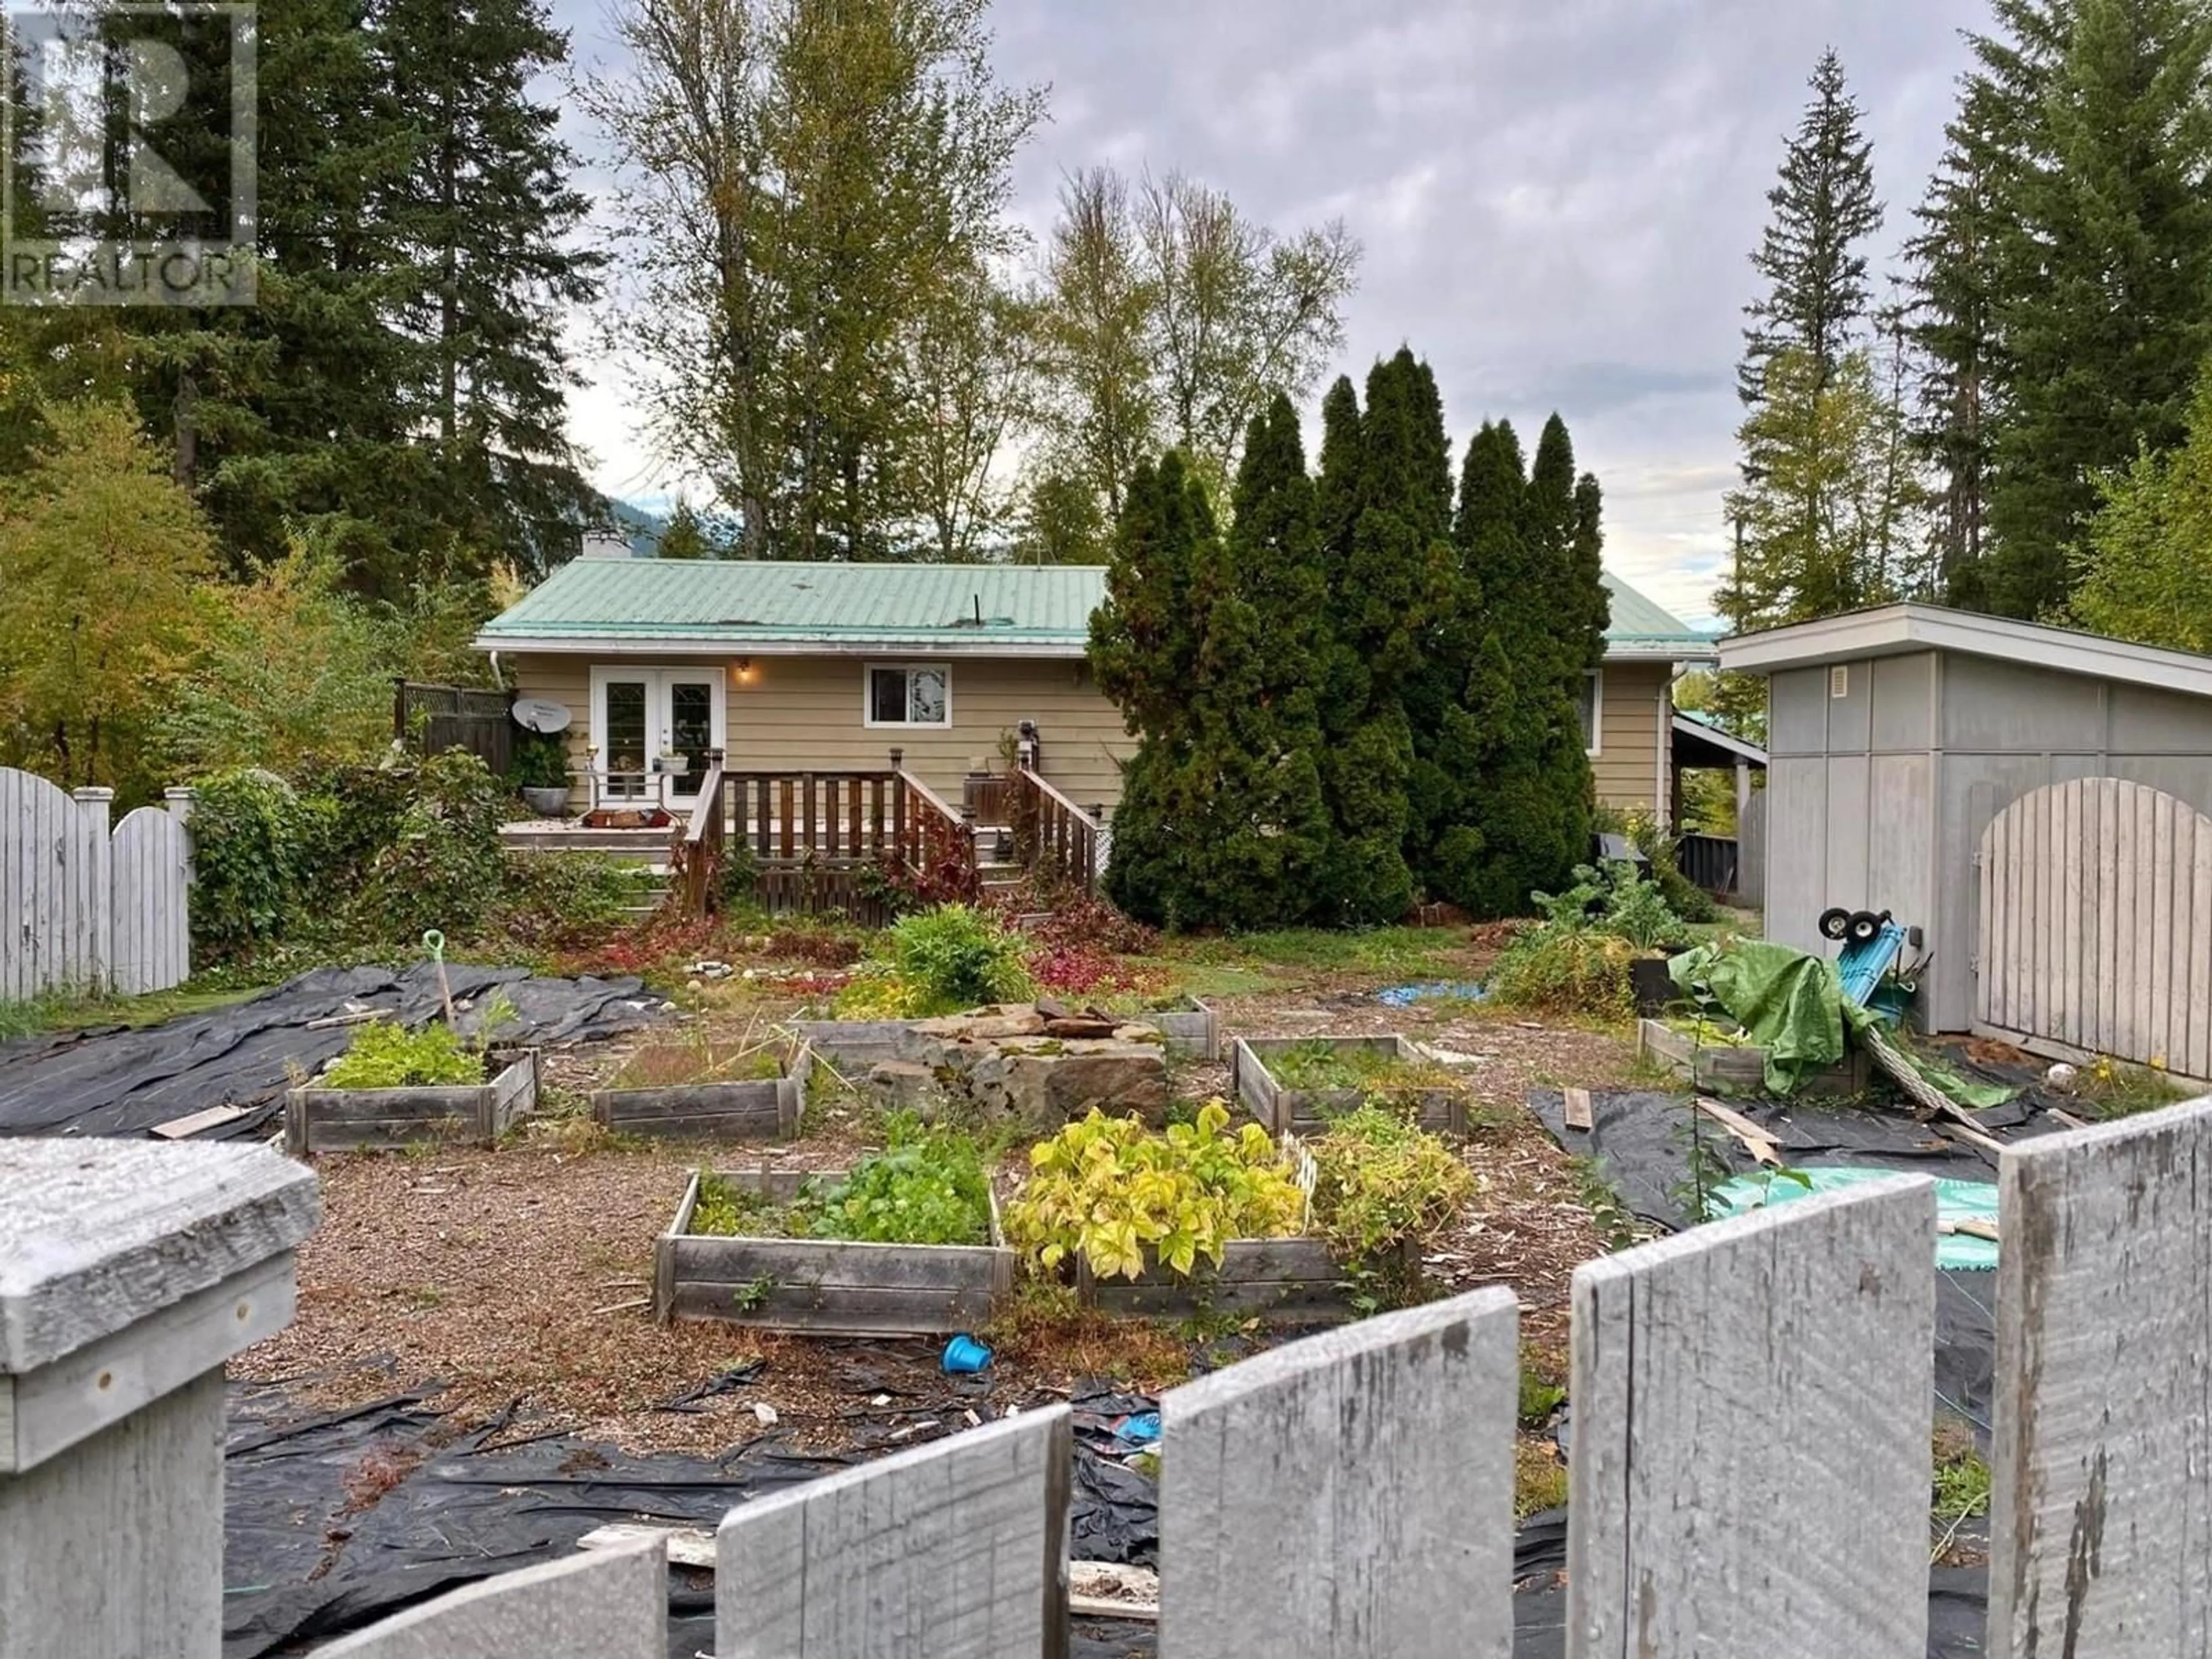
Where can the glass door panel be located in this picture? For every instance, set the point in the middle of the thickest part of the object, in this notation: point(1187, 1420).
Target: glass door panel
point(630, 742)
point(691, 731)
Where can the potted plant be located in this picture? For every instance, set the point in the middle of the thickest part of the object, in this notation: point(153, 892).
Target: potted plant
point(540, 772)
point(674, 762)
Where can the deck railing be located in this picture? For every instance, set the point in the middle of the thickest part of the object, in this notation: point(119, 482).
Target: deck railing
point(1750, 1476)
point(1055, 838)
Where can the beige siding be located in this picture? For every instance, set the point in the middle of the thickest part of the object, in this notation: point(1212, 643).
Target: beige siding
point(1627, 766)
point(805, 713)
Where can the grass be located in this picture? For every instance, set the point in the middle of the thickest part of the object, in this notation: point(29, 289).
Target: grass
point(59, 1010)
point(1960, 1489)
point(1045, 1325)
point(1410, 952)
point(1540, 1479)
point(676, 1065)
point(2112, 1088)
point(1320, 1063)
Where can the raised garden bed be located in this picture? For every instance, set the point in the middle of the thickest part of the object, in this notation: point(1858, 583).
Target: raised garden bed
point(1280, 1280)
point(823, 1287)
point(761, 1107)
point(1722, 1065)
point(1294, 1086)
point(1189, 1026)
point(322, 1120)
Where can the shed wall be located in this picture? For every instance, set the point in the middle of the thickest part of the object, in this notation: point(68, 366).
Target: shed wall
point(1878, 800)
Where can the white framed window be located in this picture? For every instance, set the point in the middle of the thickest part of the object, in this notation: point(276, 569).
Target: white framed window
point(1591, 708)
point(907, 694)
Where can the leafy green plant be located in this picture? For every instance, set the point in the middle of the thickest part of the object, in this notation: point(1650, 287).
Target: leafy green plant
point(245, 858)
point(1121, 1196)
point(1566, 971)
point(443, 868)
point(724, 1211)
point(1615, 1222)
point(540, 761)
point(1636, 910)
point(564, 901)
point(386, 1055)
point(957, 957)
point(1383, 1188)
point(1319, 1063)
point(1684, 896)
point(926, 1187)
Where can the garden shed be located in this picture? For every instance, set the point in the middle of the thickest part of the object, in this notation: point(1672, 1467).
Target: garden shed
point(2031, 798)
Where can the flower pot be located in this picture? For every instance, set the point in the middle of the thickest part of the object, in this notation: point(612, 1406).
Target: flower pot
point(1653, 986)
point(547, 803)
point(675, 766)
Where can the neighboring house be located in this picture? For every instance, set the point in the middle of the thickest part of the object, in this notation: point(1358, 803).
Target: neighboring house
point(791, 667)
point(2032, 798)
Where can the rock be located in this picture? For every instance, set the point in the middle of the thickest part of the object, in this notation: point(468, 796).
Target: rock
point(1053, 1009)
point(1042, 1082)
point(900, 1086)
point(990, 1026)
point(1072, 1027)
point(1137, 1031)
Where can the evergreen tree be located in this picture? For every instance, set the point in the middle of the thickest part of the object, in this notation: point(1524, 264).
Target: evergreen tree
point(1813, 257)
point(482, 214)
point(2146, 569)
point(686, 537)
point(2101, 274)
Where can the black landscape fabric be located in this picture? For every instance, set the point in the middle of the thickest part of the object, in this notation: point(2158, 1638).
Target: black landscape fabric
point(112, 1081)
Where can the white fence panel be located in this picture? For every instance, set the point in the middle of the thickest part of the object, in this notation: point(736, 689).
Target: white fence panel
point(81, 913)
point(1753, 1401)
point(2096, 927)
point(612, 1604)
point(149, 924)
point(1348, 1496)
point(2101, 1477)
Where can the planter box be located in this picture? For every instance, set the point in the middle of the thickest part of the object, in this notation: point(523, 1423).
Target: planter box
point(854, 1045)
point(1293, 1281)
point(757, 1109)
point(824, 1287)
point(347, 1120)
point(1725, 1070)
point(1305, 1111)
point(1192, 1031)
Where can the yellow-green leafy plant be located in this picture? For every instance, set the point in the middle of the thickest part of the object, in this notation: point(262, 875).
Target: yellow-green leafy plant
point(384, 1055)
point(1382, 1188)
point(1123, 1197)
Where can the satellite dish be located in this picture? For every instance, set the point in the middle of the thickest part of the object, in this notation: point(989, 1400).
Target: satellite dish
point(541, 715)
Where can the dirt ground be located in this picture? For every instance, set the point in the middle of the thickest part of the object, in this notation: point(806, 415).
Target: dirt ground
point(521, 1277)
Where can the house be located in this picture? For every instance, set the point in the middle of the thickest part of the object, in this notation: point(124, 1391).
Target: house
point(2031, 798)
point(793, 668)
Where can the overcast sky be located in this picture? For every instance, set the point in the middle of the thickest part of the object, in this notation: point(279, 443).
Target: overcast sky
point(1558, 203)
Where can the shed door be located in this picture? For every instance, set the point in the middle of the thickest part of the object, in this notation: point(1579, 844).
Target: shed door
point(2096, 924)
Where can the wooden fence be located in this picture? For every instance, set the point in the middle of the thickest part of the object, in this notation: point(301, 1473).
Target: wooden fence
point(1750, 1477)
point(81, 910)
point(2095, 933)
point(432, 718)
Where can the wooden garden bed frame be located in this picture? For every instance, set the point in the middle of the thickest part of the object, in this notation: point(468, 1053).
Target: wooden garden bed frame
point(1735, 1069)
point(823, 1287)
point(1284, 1109)
point(319, 1120)
point(755, 1108)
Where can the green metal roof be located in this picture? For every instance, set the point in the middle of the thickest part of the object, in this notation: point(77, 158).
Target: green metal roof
point(1638, 625)
point(768, 603)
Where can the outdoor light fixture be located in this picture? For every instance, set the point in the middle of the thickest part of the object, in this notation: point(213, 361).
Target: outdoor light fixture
point(745, 670)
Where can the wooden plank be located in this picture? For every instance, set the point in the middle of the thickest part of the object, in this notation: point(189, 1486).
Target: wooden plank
point(2070, 853)
point(1303, 1302)
point(177, 1128)
point(610, 1604)
point(2158, 1011)
point(1759, 1142)
point(2108, 916)
point(823, 1263)
point(837, 1310)
point(1577, 1107)
point(2200, 955)
point(956, 1550)
point(687, 1547)
point(1776, 1370)
point(1985, 935)
point(2099, 1501)
point(1350, 1496)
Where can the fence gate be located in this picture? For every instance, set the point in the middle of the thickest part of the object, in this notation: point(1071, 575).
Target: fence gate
point(150, 869)
point(2096, 924)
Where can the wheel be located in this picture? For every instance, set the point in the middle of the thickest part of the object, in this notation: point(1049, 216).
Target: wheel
point(1865, 928)
point(1835, 923)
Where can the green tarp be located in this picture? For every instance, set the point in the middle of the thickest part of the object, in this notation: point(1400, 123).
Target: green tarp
point(1792, 1005)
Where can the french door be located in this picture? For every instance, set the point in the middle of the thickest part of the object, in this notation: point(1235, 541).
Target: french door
point(653, 729)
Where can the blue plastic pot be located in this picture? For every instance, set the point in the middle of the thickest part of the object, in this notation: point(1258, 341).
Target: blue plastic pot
point(964, 1356)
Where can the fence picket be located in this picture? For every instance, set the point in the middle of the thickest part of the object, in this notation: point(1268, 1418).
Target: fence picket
point(80, 910)
point(956, 1550)
point(1348, 1496)
point(610, 1604)
point(2099, 1504)
point(1752, 1407)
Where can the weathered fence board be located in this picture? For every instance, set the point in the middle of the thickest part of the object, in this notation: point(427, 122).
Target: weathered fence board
point(2101, 1499)
point(79, 912)
point(1348, 1496)
point(1749, 1396)
point(150, 863)
point(956, 1551)
point(2095, 934)
point(610, 1604)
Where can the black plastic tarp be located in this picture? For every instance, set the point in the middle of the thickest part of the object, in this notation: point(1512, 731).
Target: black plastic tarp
point(112, 1081)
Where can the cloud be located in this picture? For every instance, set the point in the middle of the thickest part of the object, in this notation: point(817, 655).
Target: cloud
point(1558, 203)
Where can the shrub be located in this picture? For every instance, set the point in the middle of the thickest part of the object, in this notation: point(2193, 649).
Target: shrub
point(926, 1187)
point(245, 860)
point(1565, 971)
point(956, 956)
point(442, 870)
point(384, 1056)
point(1684, 896)
point(540, 761)
point(1119, 1195)
point(1384, 1187)
point(565, 900)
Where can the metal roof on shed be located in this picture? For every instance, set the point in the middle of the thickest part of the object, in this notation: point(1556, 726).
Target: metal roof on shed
point(972, 609)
